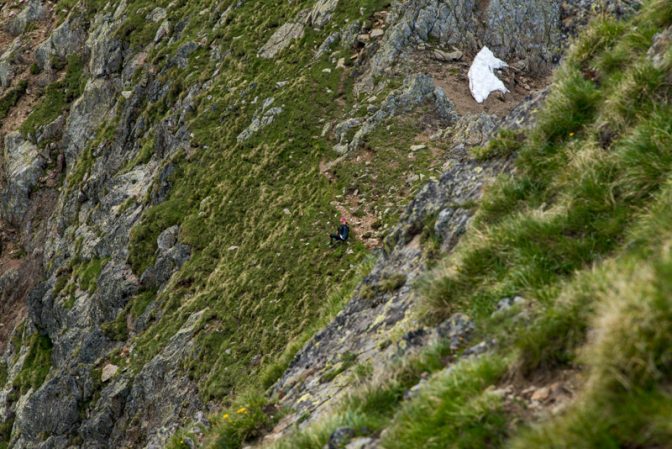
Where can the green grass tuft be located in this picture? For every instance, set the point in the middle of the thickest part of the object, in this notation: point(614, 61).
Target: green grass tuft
point(57, 97)
point(250, 417)
point(11, 98)
point(36, 365)
point(505, 144)
point(456, 409)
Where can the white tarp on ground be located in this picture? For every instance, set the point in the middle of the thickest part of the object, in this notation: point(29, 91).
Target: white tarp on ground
point(482, 78)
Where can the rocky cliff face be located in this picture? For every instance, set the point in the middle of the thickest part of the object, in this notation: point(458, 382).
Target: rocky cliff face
point(84, 225)
point(100, 121)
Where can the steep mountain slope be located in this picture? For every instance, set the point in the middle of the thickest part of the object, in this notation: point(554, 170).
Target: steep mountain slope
point(172, 170)
point(558, 296)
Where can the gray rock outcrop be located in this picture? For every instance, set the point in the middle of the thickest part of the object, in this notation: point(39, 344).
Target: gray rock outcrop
point(33, 12)
point(7, 71)
point(321, 13)
point(281, 39)
point(170, 256)
point(23, 167)
point(659, 51)
point(417, 90)
point(262, 118)
point(66, 40)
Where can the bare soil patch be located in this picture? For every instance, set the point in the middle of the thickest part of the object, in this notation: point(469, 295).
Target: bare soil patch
point(544, 395)
point(364, 224)
point(453, 79)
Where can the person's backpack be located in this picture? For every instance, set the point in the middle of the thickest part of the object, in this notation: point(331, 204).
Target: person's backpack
point(344, 232)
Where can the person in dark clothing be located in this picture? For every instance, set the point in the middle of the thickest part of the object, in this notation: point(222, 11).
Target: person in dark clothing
point(343, 232)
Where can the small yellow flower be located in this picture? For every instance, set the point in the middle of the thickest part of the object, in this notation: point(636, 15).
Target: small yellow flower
point(571, 134)
point(241, 411)
point(226, 416)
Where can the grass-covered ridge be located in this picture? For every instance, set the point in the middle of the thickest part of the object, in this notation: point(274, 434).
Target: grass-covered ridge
point(580, 229)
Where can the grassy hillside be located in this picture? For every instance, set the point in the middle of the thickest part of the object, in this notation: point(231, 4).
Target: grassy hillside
point(257, 214)
point(581, 230)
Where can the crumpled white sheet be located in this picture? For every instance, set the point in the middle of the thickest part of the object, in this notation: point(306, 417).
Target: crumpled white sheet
point(482, 78)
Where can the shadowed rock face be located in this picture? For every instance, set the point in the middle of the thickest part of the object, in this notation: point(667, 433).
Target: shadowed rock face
point(106, 202)
point(66, 40)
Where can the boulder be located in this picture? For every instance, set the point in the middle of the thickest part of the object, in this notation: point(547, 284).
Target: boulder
point(33, 12)
point(330, 41)
point(168, 238)
point(662, 42)
point(157, 15)
point(507, 304)
point(281, 39)
point(109, 371)
point(376, 33)
point(321, 13)
point(340, 437)
point(457, 329)
point(162, 32)
point(170, 256)
point(445, 56)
